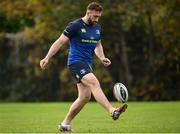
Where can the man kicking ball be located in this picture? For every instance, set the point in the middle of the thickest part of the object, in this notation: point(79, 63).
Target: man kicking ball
point(84, 37)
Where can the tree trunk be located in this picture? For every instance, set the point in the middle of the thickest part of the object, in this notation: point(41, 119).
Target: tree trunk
point(151, 37)
point(124, 61)
point(121, 69)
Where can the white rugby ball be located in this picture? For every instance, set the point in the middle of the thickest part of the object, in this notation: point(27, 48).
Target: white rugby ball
point(120, 92)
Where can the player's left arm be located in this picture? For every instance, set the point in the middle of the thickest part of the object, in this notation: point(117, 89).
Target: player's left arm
point(100, 54)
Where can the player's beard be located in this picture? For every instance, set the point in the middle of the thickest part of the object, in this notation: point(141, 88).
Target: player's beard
point(91, 22)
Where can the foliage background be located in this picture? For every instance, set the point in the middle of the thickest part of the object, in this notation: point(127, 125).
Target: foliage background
point(140, 37)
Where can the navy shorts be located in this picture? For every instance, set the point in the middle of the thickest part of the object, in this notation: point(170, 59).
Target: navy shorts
point(79, 69)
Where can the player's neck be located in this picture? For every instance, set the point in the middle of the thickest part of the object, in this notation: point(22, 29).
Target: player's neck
point(85, 19)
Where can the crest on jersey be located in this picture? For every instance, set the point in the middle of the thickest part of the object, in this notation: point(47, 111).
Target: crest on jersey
point(91, 37)
point(97, 31)
point(83, 30)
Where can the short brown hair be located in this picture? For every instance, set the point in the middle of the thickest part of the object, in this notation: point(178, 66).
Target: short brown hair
point(94, 6)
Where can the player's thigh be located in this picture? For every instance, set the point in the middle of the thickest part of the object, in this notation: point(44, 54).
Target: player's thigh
point(90, 80)
point(83, 91)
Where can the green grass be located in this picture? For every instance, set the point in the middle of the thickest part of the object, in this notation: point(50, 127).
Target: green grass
point(141, 117)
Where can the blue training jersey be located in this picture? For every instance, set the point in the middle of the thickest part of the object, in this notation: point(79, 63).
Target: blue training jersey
point(83, 39)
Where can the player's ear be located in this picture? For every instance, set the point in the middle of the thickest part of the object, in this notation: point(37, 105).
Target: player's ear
point(89, 12)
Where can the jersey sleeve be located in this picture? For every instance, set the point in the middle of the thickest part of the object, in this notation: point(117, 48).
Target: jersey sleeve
point(70, 30)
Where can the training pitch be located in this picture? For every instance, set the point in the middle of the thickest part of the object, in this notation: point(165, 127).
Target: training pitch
point(140, 117)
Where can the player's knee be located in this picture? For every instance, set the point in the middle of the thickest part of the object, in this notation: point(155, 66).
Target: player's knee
point(93, 83)
point(85, 97)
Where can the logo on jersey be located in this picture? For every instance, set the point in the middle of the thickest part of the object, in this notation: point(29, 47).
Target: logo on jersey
point(97, 31)
point(82, 71)
point(88, 41)
point(83, 30)
point(91, 37)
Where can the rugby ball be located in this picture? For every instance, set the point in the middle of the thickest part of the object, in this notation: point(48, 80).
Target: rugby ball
point(120, 92)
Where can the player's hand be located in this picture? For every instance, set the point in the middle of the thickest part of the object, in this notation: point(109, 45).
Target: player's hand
point(44, 63)
point(106, 62)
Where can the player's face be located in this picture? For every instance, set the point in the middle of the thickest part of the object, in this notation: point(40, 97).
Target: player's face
point(94, 17)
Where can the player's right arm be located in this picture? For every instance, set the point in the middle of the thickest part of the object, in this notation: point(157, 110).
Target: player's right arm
point(53, 50)
point(68, 33)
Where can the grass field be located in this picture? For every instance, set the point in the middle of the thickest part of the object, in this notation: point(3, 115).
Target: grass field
point(141, 117)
